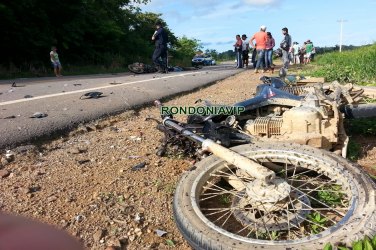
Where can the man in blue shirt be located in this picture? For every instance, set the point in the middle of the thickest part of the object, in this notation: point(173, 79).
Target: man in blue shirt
point(160, 53)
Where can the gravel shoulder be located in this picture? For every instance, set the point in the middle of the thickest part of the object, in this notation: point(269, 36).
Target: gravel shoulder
point(83, 181)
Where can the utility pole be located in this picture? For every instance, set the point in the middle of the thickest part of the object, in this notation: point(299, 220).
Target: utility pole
point(341, 21)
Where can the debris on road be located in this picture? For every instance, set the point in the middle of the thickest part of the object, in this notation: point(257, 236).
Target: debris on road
point(9, 156)
point(160, 233)
point(77, 84)
point(14, 85)
point(39, 115)
point(94, 94)
point(28, 96)
point(10, 117)
point(139, 166)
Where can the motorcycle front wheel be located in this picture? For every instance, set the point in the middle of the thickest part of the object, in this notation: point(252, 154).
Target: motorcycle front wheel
point(330, 200)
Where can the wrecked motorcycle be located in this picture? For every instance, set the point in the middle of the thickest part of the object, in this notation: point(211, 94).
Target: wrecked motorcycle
point(273, 176)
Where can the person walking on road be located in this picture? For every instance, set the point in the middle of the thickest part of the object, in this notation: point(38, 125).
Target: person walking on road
point(260, 45)
point(286, 46)
point(54, 57)
point(160, 52)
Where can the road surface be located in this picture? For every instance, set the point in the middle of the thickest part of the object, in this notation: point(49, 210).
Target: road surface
point(61, 99)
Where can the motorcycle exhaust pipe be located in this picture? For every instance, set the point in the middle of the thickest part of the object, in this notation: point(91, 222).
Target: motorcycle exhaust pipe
point(359, 111)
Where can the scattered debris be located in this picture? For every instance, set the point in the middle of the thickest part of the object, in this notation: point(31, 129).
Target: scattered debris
point(135, 138)
point(134, 156)
point(28, 96)
point(14, 85)
point(10, 117)
point(139, 166)
point(160, 233)
point(79, 218)
point(39, 115)
point(33, 189)
point(94, 94)
point(83, 161)
point(138, 218)
point(51, 198)
point(9, 156)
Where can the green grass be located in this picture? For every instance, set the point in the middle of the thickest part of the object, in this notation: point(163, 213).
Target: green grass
point(361, 126)
point(356, 66)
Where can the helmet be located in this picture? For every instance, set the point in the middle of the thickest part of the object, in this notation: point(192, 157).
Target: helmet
point(263, 27)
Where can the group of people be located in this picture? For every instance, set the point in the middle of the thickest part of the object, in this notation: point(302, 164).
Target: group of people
point(262, 44)
point(303, 54)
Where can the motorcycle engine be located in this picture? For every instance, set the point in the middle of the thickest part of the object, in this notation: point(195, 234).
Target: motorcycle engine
point(312, 123)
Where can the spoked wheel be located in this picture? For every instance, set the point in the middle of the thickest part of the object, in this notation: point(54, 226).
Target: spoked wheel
point(316, 198)
point(137, 68)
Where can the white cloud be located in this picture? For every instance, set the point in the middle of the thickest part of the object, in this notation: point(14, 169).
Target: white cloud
point(261, 2)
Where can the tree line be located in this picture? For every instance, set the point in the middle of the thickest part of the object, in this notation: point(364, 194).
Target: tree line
point(110, 33)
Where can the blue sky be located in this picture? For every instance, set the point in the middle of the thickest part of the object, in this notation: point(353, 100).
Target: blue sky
point(216, 22)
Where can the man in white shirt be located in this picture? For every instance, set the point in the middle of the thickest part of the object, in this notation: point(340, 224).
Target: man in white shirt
point(245, 50)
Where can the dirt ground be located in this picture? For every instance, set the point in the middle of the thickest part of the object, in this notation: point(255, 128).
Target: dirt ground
point(83, 182)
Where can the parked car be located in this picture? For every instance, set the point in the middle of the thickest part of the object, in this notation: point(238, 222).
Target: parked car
point(203, 60)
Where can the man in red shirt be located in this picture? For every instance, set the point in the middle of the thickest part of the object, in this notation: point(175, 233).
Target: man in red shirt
point(260, 38)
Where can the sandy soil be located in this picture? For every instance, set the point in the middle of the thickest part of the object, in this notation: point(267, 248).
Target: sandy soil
point(83, 182)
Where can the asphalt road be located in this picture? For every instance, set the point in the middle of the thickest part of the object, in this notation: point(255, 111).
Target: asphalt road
point(61, 99)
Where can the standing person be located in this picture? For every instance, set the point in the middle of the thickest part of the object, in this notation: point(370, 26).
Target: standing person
point(296, 52)
point(54, 57)
point(308, 51)
point(160, 52)
point(302, 53)
point(238, 51)
point(254, 57)
point(286, 48)
point(270, 43)
point(260, 38)
point(245, 51)
point(313, 53)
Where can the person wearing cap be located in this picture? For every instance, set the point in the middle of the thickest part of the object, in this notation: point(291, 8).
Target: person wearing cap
point(260, 38)
point(308, 50)
point(286, 46)
point(160, 52)
point(245, 51)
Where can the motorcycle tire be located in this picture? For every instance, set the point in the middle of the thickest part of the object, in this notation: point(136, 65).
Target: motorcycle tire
point(332, 201)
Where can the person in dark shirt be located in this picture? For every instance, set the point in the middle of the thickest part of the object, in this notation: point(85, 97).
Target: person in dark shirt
point(160, 52)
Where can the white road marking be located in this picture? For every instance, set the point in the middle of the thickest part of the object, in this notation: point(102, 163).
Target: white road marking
point(92, 89)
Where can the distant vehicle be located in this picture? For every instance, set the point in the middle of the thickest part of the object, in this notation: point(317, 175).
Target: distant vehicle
point(203, 60)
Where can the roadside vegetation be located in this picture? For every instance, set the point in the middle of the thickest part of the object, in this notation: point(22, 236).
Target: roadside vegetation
point(356, 66)
point(91, 37)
